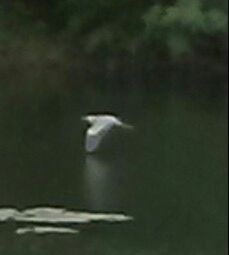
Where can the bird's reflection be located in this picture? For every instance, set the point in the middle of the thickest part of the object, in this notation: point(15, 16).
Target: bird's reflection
point(99, 183)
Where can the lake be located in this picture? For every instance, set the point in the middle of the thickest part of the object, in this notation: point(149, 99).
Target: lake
point(169, 173)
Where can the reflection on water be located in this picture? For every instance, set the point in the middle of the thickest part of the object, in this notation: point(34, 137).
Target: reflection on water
point(53, 215)
point(99, 178)
point(46, 230)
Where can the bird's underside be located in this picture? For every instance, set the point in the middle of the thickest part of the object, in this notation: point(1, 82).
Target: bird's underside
point(95, 134)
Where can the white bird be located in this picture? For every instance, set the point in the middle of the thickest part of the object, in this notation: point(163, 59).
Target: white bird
point(100, 124)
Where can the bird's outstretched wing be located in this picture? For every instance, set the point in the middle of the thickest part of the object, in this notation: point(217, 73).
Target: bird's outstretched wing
point(95, 134)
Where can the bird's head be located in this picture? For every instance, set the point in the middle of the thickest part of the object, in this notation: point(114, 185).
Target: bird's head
point(84, 118)
point(88, 119)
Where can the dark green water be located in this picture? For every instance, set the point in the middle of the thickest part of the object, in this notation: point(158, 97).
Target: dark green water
point(169, 173)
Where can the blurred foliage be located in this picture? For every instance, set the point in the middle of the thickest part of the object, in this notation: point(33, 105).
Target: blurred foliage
point(170, 27)
point(177, 25)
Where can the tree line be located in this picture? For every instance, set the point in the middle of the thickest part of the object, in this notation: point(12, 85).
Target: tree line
point(168, 28)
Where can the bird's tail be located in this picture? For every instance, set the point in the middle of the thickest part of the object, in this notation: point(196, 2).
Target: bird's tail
point(127, 126)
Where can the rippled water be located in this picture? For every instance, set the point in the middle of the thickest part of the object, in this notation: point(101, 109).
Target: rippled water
point(169, 174)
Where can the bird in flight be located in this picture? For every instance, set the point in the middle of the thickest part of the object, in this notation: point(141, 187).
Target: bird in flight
point(99, 126)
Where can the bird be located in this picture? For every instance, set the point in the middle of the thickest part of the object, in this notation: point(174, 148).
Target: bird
point(99, 126)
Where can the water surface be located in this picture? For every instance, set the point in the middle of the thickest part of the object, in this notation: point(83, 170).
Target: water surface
point(169, 173)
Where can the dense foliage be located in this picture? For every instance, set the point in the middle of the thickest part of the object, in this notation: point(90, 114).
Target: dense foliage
point(167, 27)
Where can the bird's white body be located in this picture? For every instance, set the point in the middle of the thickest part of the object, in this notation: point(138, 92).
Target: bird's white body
point(99, 126)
